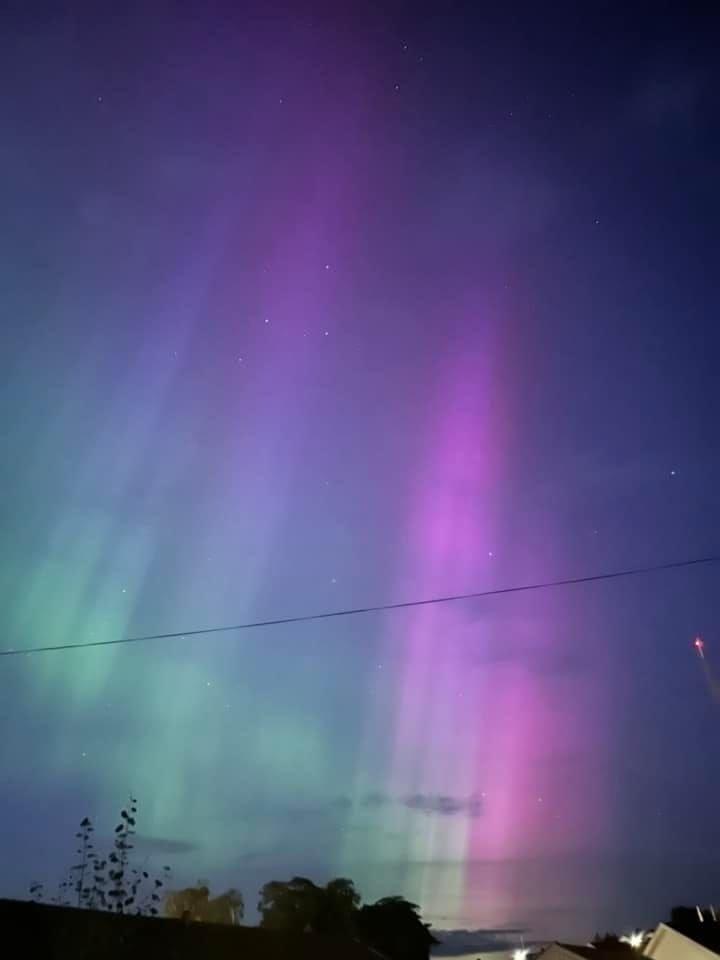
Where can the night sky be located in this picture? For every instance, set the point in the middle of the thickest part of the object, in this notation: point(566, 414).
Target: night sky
point(306, 308)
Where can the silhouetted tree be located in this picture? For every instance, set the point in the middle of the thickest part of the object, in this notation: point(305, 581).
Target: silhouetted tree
point(300, 906)
point(337, 909)
point(684, 919)
point(108, 883)
point(85, 853)
point(196, 904)
point(122, 892)
point(393, 927)
point(288, 906)
point(701, 924)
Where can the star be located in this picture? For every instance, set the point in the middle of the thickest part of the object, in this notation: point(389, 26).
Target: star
point(267, 320)
point(491, 554)
point(673, 473)
point(327, 333)
point(327, 266)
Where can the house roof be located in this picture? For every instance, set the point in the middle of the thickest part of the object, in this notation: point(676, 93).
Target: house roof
point(588, 952)
point(57, 932)
point(705, 935)
point(585, 951)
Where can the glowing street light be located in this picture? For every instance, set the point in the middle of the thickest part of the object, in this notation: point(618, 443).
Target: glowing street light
point(634, 939)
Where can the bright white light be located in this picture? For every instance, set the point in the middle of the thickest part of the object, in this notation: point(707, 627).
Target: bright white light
point(634, 939)
point(521, 953)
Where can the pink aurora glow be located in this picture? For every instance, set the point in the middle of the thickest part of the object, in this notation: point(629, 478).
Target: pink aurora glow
point(475, 722)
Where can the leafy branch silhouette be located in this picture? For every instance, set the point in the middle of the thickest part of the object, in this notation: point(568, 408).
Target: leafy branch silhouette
point(111, 882)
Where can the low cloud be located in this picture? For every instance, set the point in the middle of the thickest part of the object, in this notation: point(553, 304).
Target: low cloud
point(375, 800)
point(444, 805)
point(554, 662)
point(164, 845)
point(439, 804)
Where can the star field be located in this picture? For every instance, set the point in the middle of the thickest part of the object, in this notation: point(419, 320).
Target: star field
point(309, 310)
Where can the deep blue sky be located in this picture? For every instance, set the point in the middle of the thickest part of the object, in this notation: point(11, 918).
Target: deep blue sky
point(306, 308)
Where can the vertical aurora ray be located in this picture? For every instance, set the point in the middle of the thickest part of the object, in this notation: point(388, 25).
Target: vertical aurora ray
point(477, 732)
point(99, 545)
point(450, 529)
point(181, 484)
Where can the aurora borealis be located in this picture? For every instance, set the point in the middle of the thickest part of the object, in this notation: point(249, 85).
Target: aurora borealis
point(307, 309)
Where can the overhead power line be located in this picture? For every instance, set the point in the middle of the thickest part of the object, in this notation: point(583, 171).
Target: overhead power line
point(379, 608)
